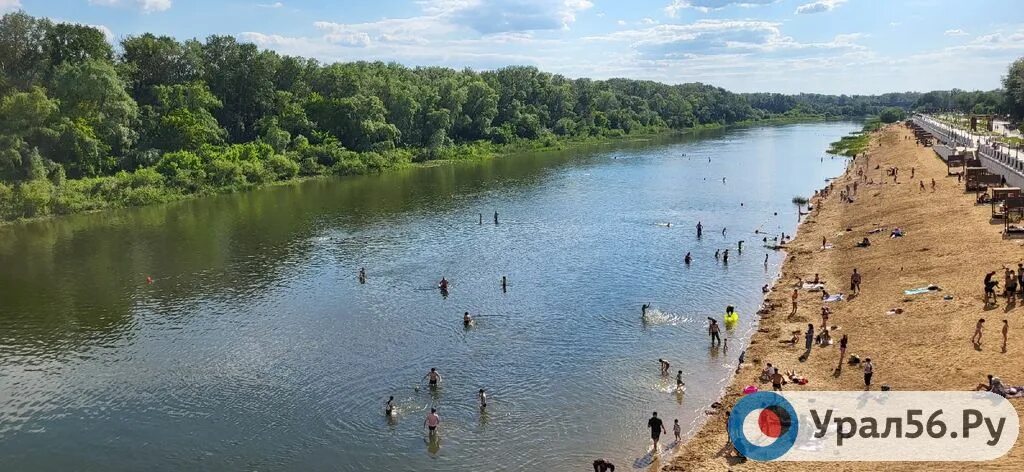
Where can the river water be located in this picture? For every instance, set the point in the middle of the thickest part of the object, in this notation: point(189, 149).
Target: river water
point(256, 347)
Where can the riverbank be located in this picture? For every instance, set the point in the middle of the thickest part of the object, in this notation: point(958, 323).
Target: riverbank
point(949, 242)
point(46, 198)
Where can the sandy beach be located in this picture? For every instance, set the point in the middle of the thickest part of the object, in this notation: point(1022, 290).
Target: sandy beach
point(949, 241)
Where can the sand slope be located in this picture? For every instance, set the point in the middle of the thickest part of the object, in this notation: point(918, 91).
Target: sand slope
point(950, 242)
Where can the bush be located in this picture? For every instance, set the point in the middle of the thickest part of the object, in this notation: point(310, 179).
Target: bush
point(34, 197)
point(147, 177)
point(146, 196)
point(891, 115)
point(282, 167)
point(309, 166)
point(256, 173)
point(6, 202)
point(224, 173)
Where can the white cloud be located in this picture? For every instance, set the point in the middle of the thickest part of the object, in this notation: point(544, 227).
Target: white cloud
point(621, 22)
point(9, 5)
point(270, 5)
point(342, 34)
point(497, 16)
point(147, 6)
point(893, 24)
point(649, 21)
point(956, 32)
point(723, 37)
point(819, 6)
point(705, 6)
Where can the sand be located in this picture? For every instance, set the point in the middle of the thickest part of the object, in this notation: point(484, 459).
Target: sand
point(950, 242)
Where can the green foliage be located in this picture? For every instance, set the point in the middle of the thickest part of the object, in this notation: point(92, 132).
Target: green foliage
point(891, 115)
point(166, 118)
point(855, 143)
point(1013, 83)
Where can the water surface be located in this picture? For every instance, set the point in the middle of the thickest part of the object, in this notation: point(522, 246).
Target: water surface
point(256, 348)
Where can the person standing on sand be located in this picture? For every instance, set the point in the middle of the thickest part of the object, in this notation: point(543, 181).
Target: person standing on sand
point(1006, 330)
point(855, 282)
point(869, 371)
point(1020, 277)
point(842, 350)
point(777, 380)
point(809, 336)
point(990, 287)
point(795, 295)
point(657, 427)
point(1011, 288)
point(933, 185)
point(825, 311)
point(976, 339)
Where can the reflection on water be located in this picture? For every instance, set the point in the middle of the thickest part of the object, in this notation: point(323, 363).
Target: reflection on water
point(256, 346)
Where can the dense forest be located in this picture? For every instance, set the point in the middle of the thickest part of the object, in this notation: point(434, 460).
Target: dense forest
point(85, 124)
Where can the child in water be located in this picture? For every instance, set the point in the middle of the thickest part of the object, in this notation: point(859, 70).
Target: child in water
point(676, 429)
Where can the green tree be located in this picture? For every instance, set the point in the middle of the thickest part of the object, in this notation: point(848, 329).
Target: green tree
point(1013, 83)
point(183, 118)
point(891, 115)
point(92, 95)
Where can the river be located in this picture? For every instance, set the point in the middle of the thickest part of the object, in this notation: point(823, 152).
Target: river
point(255, 347)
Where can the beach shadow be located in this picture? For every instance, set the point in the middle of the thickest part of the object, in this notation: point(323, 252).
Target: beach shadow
point(977, 347)
point(837, 372)
point(1010, 305)
point(990, 306)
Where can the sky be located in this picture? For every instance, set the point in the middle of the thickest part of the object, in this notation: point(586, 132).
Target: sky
point(789, 46)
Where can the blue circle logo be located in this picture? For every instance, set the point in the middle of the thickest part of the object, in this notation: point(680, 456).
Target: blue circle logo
point(768, 436)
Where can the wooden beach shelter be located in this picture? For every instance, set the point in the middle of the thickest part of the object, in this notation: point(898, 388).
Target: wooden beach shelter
point(999, 195)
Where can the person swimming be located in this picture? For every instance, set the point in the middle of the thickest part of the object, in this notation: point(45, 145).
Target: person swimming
point(679, 380)
point(687, 259)
point(643, 309)
point(362, 275)
point(389, 406)
point(443, 284)
point(482, 397)
point(467, 320)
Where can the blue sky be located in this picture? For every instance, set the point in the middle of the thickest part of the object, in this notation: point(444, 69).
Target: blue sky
point(826, 46)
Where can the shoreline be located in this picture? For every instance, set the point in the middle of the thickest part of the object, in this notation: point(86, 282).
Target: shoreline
point(501, 151)
point(927, 346)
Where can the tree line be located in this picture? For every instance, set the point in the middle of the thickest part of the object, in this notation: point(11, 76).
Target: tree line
point(85, 125)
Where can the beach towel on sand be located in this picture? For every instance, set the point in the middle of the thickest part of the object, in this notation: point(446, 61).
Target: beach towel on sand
point(834, 298)
point(920, 290)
